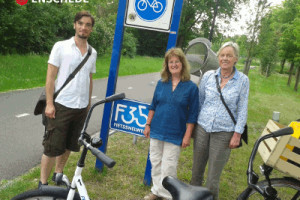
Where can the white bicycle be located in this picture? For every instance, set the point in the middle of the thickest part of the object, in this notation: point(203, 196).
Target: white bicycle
point(155, 5)
point(178, 189)
point(69, 193)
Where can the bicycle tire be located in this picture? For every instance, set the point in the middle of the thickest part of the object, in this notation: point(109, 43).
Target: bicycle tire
point(46, 193)
point(287, 189)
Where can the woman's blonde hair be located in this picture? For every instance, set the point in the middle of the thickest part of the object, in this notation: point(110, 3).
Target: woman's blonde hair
point(185, 72)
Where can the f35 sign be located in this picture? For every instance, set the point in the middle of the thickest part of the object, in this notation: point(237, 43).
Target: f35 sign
point(129, 116)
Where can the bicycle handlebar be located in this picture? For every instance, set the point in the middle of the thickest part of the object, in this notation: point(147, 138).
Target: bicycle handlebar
point(96, 152)
point(283, 131)
point(250, 172)
point(106, 100)
point(100, 155)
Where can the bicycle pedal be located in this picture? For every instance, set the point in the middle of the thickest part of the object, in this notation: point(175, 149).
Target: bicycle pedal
point(60, 179)
point(42, 185)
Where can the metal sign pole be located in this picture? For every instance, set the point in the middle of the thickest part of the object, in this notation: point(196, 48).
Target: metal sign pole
point(113, 76)
point(175, 24)
point(171, 43)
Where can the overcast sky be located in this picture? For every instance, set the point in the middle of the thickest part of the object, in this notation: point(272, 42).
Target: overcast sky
point(239, 27)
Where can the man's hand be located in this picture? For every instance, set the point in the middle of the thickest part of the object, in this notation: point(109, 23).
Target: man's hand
point(50, 111)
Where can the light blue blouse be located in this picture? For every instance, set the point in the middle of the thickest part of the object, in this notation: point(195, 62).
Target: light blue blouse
point(213, 116)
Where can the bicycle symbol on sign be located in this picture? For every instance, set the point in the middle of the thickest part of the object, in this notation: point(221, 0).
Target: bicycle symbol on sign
point(155, 5)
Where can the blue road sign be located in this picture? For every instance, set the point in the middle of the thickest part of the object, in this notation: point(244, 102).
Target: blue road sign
point(129, 116)
point(150, 10)
point(149, 14)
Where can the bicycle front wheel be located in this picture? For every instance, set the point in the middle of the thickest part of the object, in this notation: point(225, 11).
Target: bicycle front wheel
point(287, 188)
point(46, 193)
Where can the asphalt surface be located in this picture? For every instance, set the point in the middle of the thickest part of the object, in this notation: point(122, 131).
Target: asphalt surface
point(21, 132)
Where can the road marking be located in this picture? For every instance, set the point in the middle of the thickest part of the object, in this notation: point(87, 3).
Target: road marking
point(22, 115)
point(94, 97)
point(130, 88)
point(152, 83)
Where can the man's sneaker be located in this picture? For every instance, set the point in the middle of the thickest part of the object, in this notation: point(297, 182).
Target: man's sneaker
point(60, 179)
point(41, 185)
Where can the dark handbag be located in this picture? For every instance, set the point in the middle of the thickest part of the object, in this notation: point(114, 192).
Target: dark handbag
point(41, 104)
point(245, 133)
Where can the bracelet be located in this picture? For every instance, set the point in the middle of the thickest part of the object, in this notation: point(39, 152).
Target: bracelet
point(148, 125)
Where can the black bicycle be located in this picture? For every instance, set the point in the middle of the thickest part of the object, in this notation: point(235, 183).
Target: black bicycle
point(284, 188)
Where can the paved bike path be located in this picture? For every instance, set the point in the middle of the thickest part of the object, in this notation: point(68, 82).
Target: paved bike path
point(21, 132)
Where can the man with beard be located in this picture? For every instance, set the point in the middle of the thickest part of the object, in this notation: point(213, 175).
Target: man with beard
point(67, 112)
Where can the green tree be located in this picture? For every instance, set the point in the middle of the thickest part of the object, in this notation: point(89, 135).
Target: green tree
point(199, 18)
point(254, 29)
point(23, 31)
point(289, 46)
point(151, 43)
point(34, 28)
point(268, 43)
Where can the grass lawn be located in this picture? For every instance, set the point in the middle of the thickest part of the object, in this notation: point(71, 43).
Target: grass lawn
point(125, 180)
point(22, 72)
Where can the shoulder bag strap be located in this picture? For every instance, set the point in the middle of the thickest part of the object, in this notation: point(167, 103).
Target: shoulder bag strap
point(223, 101)
point(72, 75)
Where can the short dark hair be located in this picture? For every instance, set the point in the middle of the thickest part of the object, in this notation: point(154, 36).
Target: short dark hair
point(81, 14)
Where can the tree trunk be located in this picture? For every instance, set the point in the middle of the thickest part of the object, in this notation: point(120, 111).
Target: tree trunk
point(268, 70)
point(297, 78)
point(214, 21)
point(248, 62)
point(180, 41)
point(291, 73)
point(282, 66)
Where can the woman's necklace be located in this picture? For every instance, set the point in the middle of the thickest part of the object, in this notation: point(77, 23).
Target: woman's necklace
point(174, 84)
point(227, 77)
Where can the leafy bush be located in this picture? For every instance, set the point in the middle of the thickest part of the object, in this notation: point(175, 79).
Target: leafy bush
point(34, 28)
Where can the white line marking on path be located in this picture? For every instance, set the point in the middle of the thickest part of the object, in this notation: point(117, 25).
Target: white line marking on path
point(94, 97)
point(22, 115)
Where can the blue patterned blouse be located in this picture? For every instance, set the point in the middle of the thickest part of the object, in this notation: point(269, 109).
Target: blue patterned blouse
point(173, 109)
point(213, 116)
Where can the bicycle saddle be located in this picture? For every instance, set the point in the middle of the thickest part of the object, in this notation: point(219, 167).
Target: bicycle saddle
point(182, 191)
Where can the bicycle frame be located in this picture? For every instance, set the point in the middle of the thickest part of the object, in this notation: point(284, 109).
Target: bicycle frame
point(85, 140)
point(150, 4)
point(77, 181)
point(155, 4)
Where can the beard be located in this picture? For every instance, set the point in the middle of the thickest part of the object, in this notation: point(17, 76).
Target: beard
point(82, 37)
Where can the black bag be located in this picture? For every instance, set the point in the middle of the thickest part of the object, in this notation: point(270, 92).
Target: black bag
point(40, 107)
point(41, 104)
point(245, 133)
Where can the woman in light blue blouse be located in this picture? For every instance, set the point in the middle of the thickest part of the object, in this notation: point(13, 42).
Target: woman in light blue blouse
point(171, 119)
point(215, 133)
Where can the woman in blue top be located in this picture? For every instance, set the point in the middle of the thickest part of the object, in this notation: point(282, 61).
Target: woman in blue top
point(171, 119)
point(215, 133)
